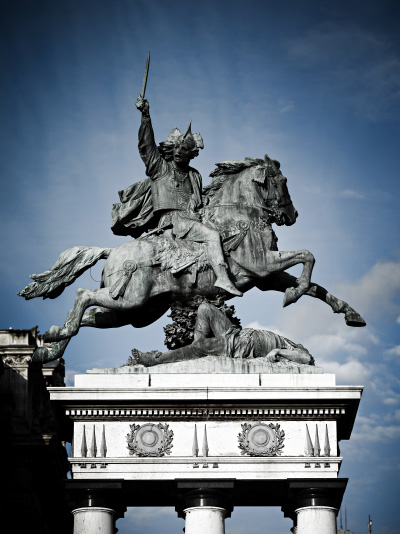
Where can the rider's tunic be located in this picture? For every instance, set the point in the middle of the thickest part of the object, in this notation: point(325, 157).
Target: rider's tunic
point(174, 193)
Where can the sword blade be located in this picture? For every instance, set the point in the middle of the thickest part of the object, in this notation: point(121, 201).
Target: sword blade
point(146, 73)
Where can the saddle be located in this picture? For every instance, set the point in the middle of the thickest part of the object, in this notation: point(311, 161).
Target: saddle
point(179, 255)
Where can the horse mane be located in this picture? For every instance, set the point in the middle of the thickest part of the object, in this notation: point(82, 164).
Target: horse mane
point(225, 170)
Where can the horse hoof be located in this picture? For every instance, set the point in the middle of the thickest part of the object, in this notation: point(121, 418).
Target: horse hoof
point(52, 334)
point(291, 296)
point(353, 318)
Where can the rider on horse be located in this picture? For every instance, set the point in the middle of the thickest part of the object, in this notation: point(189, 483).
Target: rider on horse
point(172, 195)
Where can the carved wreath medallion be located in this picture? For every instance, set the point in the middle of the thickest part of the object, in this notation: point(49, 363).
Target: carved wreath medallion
point(149, 440)
point(260, 439)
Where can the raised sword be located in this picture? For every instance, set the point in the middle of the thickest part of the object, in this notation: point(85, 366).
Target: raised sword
point(146, 74)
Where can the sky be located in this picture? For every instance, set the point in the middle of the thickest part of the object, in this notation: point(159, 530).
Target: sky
point(314, 84)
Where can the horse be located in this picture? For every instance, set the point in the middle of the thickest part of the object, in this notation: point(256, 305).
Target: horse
point(138, 284)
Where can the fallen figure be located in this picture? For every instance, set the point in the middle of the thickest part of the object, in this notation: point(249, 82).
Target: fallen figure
point(215, 335)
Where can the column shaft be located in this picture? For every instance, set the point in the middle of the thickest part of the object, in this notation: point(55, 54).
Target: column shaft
point(201, 519)
point(316, 520)
point(93, 519)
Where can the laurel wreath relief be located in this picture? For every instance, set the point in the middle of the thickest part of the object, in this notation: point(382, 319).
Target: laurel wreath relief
point(274, 449)
point(164, 444)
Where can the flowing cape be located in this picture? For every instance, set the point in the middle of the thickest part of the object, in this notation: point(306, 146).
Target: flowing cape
point(134, 214)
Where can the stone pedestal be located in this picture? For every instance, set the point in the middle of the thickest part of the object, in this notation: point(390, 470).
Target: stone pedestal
point(92, 519)
point(316, 520)
point(205, 443)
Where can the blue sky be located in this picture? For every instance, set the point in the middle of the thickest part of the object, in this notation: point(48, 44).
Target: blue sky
point(315, 84)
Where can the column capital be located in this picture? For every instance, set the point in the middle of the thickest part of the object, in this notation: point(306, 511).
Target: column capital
point(313, 492)
point(97, 494)
point(204, 493)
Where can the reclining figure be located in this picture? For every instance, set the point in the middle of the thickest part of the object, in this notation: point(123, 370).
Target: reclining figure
point(215, 335)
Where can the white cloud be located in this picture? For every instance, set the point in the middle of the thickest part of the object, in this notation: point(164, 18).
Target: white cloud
point(351, 372)
point(328, 343)
point(390, 401)
point(394, 351)
point(349, 193)
point(285, 105)
point(376, 428)
point(377, 291)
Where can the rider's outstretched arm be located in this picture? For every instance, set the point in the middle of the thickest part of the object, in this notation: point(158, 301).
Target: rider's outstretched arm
point(147, 146)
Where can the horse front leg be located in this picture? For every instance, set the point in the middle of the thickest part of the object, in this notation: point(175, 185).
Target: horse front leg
point(84, 299)
point(351, 317)
point(49, 354)
point(280, 261)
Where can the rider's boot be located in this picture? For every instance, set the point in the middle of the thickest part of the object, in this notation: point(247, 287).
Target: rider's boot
point(223, 281)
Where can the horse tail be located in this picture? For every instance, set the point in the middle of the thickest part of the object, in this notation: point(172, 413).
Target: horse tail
point(70, 265)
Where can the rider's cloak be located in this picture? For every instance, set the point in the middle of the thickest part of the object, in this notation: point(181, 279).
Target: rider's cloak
point(134, 215)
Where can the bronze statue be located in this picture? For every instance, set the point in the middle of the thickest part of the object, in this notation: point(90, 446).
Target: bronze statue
point(218, 241)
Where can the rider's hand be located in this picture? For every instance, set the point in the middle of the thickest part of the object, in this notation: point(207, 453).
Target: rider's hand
point(273, 355)
point(143, 105)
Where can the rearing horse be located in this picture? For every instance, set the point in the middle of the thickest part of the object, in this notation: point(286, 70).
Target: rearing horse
point(243, 200)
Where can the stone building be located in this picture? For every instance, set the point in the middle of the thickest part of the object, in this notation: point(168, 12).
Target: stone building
point(35, 461)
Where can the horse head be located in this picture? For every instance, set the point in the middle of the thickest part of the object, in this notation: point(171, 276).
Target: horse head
point(252, 183)
point(278, 201)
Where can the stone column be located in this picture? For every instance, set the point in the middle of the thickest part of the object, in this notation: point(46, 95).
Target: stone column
point(200, 519)
point(93, 519)
point(316, 520)
point(313, 504)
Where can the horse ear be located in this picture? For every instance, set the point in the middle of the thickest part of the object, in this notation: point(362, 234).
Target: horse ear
point(198, 140)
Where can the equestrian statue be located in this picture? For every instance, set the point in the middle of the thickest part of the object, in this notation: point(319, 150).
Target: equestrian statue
point(188, 241)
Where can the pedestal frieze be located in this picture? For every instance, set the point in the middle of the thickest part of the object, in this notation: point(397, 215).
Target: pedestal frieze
point(150, 440)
